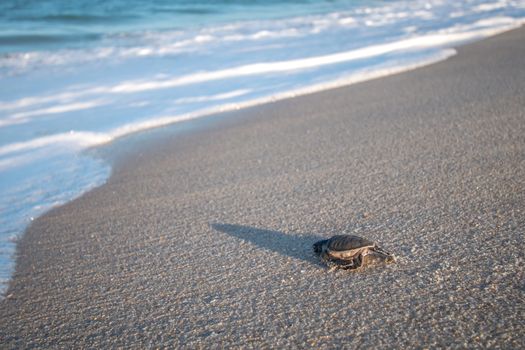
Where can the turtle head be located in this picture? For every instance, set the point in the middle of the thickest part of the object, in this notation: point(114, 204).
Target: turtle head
point(318, 246)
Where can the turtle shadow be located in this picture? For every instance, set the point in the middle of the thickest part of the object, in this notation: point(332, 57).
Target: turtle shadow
point(295, 246)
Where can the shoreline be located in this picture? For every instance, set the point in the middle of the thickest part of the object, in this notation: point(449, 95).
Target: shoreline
point(272, 199)
point(98, 173)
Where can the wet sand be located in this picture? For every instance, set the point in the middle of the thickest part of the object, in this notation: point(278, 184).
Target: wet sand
point(202, 238)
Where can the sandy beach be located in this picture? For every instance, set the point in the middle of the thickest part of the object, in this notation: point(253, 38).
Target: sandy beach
point(202, 236)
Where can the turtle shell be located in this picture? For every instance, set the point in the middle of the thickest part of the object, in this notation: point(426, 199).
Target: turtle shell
point(341, 243)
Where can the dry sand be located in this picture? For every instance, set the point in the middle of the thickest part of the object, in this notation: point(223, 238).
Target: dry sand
point(202, 238)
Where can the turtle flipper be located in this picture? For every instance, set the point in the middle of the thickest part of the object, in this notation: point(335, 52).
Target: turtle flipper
point(379, 256)
point(343, 264)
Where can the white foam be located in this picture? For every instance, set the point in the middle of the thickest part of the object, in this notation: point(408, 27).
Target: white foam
point(419, 42)
point(73, 140)
point(218, 97)
point(490, 7)
point(76, 141)
point(348, 80)
point(452, 36)
point(22, 117)
point(175, 42)
point(60, 98)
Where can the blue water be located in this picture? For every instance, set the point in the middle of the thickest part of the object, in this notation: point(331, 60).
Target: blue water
point(77, 74)
point(40, 25)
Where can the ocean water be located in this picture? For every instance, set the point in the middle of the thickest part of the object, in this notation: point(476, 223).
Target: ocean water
point(77, 74)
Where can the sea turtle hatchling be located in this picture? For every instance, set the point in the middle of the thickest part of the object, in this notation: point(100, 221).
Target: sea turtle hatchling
point(350, 252)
